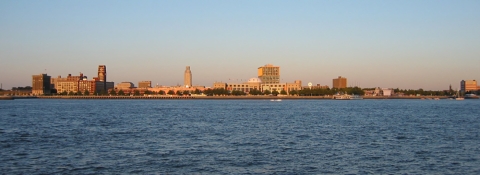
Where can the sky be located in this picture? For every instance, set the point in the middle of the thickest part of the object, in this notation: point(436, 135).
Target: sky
point(427, 44)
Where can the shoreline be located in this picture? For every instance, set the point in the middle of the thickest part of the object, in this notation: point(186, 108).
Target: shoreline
point(217, 97)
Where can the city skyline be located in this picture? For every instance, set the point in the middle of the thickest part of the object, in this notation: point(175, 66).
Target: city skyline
point(406, 45)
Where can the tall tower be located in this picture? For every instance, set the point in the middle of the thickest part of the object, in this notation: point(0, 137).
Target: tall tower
point(102, 76)
point(269, 74)
point(187, 79)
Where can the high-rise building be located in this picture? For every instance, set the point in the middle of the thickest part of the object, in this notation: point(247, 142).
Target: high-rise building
point(187, 81)
point(269, 74)
point(340, 82)
point(40, 84)
point(468, 85)
point(145, 84)
point(102, 76)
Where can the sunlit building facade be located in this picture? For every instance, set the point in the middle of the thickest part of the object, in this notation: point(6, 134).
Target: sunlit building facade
point(269, 74)
point(468, 85)
point(145, 84)
point(340, 82)
point(41, 84)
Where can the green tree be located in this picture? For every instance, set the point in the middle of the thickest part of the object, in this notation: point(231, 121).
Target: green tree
point(267, 92)
point(79, 93)
point(86, 92)
point(120, 92)
point(208, 92)
point(71, 93)
point(186, 92)
point(293, 92)
point(197, 91)
point(237, 92)
point(147, 92)
point(179, 93)
point(275, 93)
point(283, 92)
point(113, 92)
point(255, 92)
point(136, 93)
point(161, 92)
point(171, 92)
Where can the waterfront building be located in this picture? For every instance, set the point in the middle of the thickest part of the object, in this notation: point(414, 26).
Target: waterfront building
point(296, 85)
point(387, 91)
point(102, 76)
point(219, 85)
point(145, 84)
point(340, 82)
point(379, 92)
point(81, 83)
point(67, 84)
point(187, 81)
point(41, 84)
point(468, 85)
point(269, 74)
point(175, 89)
point(268, 79)
point(125, 85)
point(252, 83)
point(318, 86)
point(256, 83)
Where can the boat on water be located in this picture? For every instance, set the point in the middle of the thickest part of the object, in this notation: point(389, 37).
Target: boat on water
point(356, 97)
point(471, 96)
point(276, 100)
point(347, 97)
point(458, 97)
point(341, 97)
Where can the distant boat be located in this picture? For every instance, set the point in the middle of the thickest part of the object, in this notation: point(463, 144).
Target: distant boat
point(341, 97)
point(458, 97)
point(276, 100)
point(356, 97)
point(347, 97)
point(471, 96)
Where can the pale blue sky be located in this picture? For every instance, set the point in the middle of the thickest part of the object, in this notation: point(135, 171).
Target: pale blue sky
point(404, 44)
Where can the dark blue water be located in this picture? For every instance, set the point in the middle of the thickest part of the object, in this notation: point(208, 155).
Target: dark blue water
point(239, 137)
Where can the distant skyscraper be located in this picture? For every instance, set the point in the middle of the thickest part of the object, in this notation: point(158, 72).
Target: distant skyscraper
point(102, 76)
point(269, 74)
point(340, 82)
point(40, 84)
point(187, 81)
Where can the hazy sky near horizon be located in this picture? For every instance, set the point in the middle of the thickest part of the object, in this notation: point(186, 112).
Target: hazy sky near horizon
point(426, 44)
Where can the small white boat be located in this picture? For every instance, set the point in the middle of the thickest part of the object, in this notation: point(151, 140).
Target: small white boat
point(458, 97)
point(341, 97)
point(356, 97)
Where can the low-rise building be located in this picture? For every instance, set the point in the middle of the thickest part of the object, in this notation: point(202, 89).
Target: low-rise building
point(145, 84)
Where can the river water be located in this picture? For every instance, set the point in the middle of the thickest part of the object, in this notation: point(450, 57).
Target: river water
point(48, 136)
